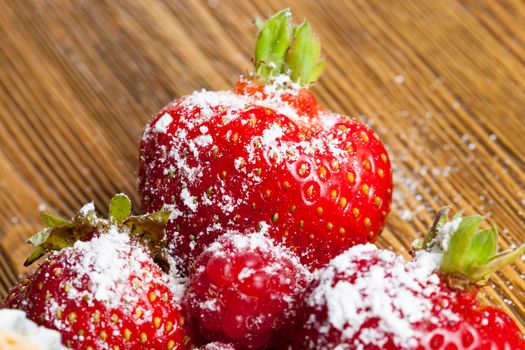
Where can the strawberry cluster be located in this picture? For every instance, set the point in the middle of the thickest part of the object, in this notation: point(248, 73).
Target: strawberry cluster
point(262, 210)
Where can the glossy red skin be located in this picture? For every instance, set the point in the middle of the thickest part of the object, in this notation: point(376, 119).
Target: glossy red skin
point(339, 213)
point(255, 312)
point(479, 327)
point(46, 283)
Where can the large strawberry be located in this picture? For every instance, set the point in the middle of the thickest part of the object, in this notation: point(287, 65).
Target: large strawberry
point(267, 152)
point(104, 291)
point(371, 299)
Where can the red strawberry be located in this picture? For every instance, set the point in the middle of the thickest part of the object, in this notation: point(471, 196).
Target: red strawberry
point(105, 291)
point(267, 152)
point(371, 299)
point(245, 290)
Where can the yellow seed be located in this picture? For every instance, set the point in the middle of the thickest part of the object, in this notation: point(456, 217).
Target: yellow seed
point(366, 164)
point(103, 335)
point(383, 157)
point(59, 312)
point(215, 152)
point(143, 338)
point(364, 137)
point(286, 185)
point(67, 287)
point(114, 318)
point(329, 226)
point(258, 171)
point(168, 326)
point(365, 189)
point(152, 297)
point(370, 235)
point(139, 312)
point(351, 177)
point(224, 174)
point(301, 223)
point(127, 334)
point(292, 208)
point(343, 202)
point(235, 137)
point(182, 320)
point(319, 211)
point(342, 230)
point(254, 206)
point(367, 222)
point(116, 347)
point(171, 344)
point(333, 194)
point(40, 286)
point(48, 295)
point(355, 211)
point(377, 202)
point(89, 348)
point(72, 317)
point(380, 172)
point(96, 316)
point(156, 322)
point(81, 332)
point(322, 172)
point(57, 271)
point(335, 165)
point(275, 217)
point(310, 191)
point(349, 148)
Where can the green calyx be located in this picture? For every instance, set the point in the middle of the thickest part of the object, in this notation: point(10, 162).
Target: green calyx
point(468, 252)
point(282, 48)
point(60, 233)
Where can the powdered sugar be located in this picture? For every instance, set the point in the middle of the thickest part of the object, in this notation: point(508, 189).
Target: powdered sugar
point(389, 290)
point(163, 122)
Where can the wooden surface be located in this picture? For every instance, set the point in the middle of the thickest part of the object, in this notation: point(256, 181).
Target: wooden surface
point(442, 83)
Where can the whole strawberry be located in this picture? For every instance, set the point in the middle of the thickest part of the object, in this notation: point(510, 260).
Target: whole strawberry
point(245, 290)
point(371, 299)
point(267, 152)
point(104, 291)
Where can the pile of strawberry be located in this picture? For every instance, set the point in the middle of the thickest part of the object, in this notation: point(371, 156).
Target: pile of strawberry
point(262, 208)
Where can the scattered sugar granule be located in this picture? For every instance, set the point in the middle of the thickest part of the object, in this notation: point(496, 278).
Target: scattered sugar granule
point(162, 124)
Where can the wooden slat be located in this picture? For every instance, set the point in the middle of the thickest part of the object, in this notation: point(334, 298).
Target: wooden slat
point(442, 83)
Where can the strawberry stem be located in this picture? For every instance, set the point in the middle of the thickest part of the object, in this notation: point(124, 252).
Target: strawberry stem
point(468, 251)
point(282, 48)
point(60, 233)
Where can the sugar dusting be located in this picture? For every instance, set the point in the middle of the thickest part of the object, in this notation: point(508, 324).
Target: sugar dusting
point(392, 291)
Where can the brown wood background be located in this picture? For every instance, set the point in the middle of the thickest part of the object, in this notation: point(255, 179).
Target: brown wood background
point(442, 82)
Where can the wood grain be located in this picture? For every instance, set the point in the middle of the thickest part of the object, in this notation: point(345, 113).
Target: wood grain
point(442, 83)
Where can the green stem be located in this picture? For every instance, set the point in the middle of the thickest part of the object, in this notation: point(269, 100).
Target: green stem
point(282, 48)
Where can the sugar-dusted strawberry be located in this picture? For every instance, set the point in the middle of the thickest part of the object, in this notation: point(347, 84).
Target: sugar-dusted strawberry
point(245, 290)
point(217, 346)
point(19, 333)
point(368, 298)
point(103, 291)
point(267, 152)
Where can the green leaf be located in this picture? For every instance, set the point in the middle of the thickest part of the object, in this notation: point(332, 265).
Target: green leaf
point(37, 253)
point(483, 246)
point(119, 208)
point(497, 262)
point(304, 54)
point(272, 44)
point(40, 237)
point(459, 245)
point(51, 220)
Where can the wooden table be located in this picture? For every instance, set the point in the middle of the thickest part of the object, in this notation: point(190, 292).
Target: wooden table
point(442, 83)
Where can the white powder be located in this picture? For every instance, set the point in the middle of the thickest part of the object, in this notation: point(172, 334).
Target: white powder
point(163, 123)
point(392, 291)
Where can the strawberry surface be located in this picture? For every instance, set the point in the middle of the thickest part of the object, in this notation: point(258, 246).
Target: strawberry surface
point(245, 290)
point(266, 152)
point(226, 160)
point(105, 293)
point(371, 299)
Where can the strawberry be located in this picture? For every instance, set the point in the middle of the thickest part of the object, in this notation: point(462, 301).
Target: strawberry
point(266, 152)
point(371, 299)
point(245, 290)
point(103, 291)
